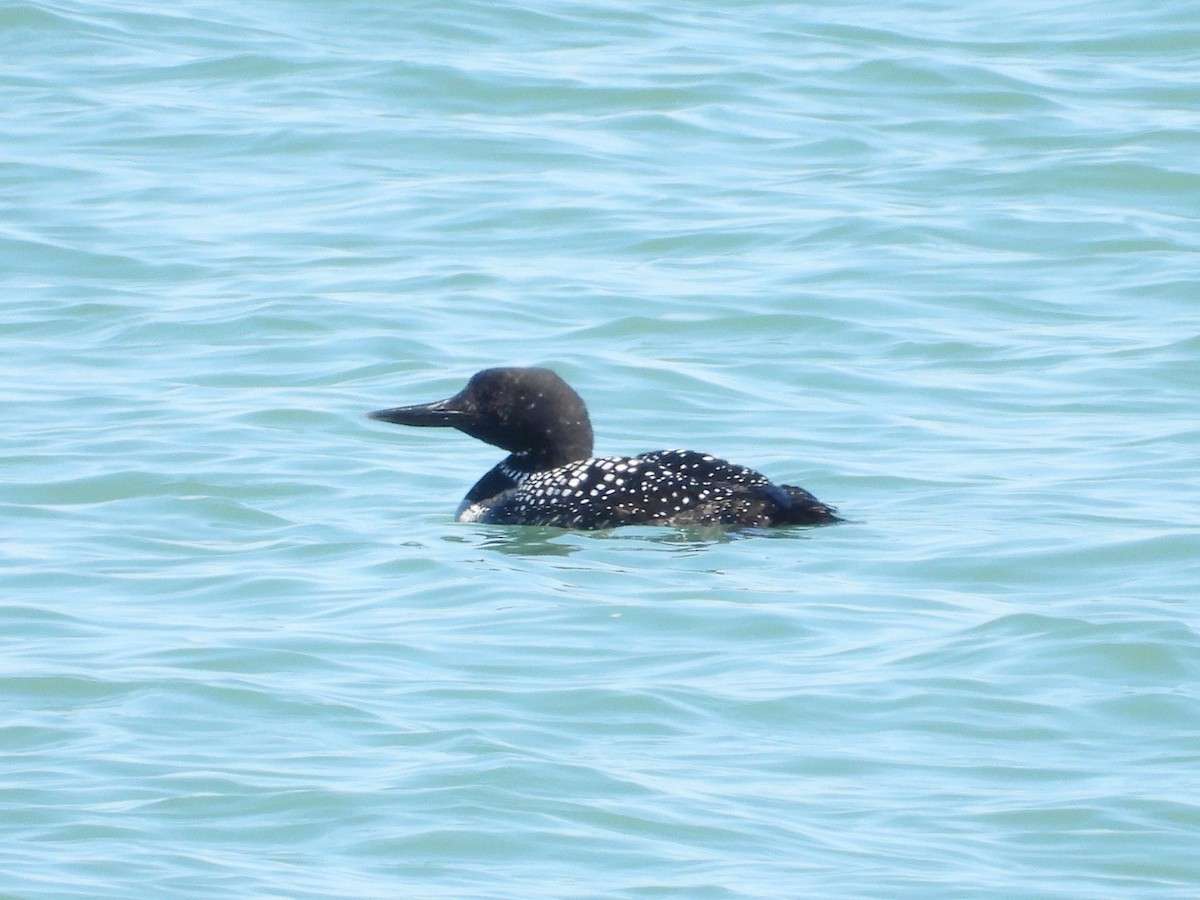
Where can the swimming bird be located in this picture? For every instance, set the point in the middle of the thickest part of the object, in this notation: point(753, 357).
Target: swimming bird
point(551, 478)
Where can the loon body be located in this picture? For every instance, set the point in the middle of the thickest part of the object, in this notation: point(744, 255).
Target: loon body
point(551, 478)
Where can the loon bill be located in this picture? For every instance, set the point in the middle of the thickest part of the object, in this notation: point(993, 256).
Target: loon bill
point(551, 478)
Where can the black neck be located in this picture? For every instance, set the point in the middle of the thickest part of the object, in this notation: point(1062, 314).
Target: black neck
point(516, 467)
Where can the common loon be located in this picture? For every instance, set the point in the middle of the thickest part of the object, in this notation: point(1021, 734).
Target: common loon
point(551, 478)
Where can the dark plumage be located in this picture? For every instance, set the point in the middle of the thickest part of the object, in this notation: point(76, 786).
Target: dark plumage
point(551, 478)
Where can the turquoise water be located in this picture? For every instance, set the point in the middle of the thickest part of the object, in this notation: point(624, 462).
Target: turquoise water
point(937, 263)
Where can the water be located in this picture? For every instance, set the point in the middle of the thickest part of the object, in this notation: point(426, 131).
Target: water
point(936, 263)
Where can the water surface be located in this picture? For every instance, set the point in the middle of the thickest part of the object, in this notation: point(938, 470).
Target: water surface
point(936, 264)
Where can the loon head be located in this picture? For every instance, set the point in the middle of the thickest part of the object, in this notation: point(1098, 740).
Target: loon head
point(531, 413)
